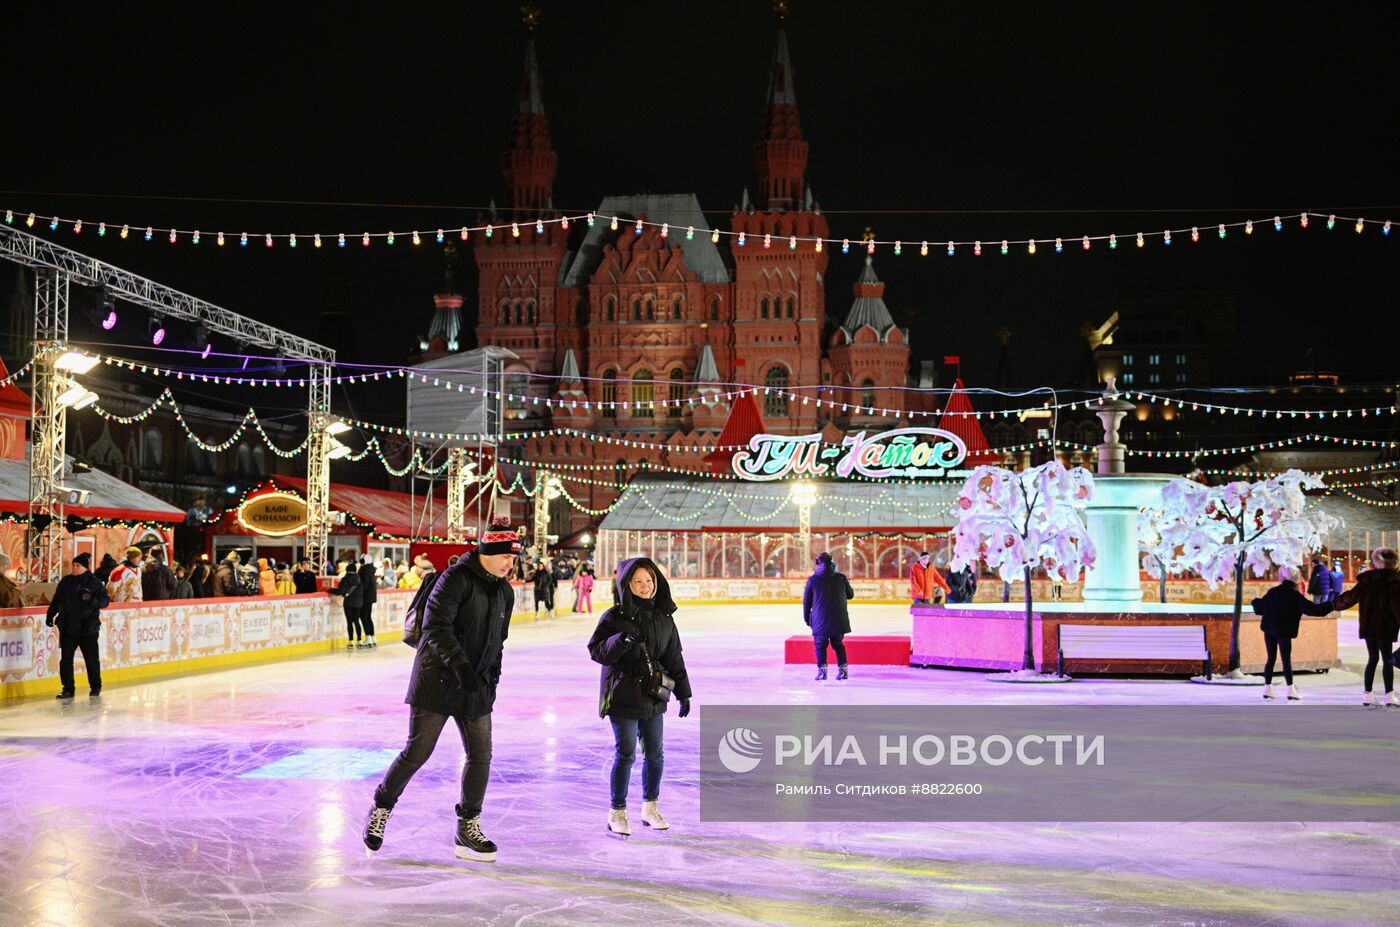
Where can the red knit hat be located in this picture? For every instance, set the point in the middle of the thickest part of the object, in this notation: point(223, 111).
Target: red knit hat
point(500, 538)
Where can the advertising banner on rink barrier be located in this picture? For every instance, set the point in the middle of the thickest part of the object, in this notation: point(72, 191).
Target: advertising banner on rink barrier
point(1065, 763)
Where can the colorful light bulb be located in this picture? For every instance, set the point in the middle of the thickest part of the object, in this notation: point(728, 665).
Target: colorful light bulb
point(30, 221)
point(539, 227)
point(490, 231)
point(101, 230)
point(690, 233)
point(792, 243)
point(870, 246)
point(1195, 234)
point(714, 236)
point(515, 229)
point(977, 249)
point(292, 240)
point(1360, 225)
point(767, 240)
point(340, 240)
point(845, 245)
point(1030, 246)
point(1303, 220)
point(1112, 242)
point(463, 234)
point(268, 239)
point(1278, 224)
point(818, 246)
point(1140, 241)
point(1331, 222)
point(742, 239)
point(416, 239)
point(53, 225)
point(1221, 230)
point(590, 220)
point(364, 240)
point(1385, 229)
point(1086, 243)
point(613, 224)
point(1249, 227)
point(1059, 246)
point(564, 223)
point(1005, 248)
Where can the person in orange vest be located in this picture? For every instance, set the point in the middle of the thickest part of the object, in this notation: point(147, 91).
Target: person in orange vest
point(925, 582)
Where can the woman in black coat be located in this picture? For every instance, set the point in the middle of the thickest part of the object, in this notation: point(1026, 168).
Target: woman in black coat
point(824, 609)
point(1377, 596)
point(369, 594)
point(636, 641)
point(351, 596)
point(544, 589)
point(1280, 611)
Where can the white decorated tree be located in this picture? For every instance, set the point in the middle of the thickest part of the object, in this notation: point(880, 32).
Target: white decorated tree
point(1158, 558)
point(1222, 531)
point(1017, 523)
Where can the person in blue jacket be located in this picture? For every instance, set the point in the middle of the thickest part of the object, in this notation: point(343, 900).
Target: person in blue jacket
point(824, 609)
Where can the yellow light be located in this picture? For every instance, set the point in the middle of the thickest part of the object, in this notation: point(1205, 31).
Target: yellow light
point(1031, 247)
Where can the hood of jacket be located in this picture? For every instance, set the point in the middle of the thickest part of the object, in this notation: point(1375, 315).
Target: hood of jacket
point(824, 567)
point(662, 603)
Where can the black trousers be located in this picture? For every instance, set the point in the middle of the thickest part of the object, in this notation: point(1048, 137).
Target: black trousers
point(367, 619)
point(836, 645)
point(67, 645)
point(1379, 652)
point(424, 727)
point(1278, 646)
point(352, 621)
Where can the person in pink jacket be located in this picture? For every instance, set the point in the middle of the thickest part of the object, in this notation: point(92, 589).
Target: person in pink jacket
point(583, 589)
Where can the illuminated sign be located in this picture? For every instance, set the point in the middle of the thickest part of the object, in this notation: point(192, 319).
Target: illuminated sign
point(903, 452)
point(273, 514)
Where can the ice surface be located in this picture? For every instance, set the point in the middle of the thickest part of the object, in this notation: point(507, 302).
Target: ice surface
point(238, 797)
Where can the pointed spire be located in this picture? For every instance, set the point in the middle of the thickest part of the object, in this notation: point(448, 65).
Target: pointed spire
point(869, 306)
point(781, 91)
point(744, 203)
point(807, 199)
point(781, 154)
point(529, 165)
point(531, 92)
point(707, 371)
point(570, 372)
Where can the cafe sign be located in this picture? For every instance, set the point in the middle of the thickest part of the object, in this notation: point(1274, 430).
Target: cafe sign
point(906, 453)
point(273, 514)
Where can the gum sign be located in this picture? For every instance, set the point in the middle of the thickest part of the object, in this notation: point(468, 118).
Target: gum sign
point(900, 452)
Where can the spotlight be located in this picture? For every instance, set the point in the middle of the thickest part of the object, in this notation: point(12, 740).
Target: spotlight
point(109, 312)
point(157, 329)
point(201, 340)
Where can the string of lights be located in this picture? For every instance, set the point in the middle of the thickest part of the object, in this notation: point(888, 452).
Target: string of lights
point(515, 230)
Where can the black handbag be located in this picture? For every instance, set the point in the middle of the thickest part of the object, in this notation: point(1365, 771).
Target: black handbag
point(659, 683)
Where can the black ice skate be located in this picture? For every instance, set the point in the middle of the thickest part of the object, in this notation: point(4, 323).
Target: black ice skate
point(821, 674)
point(841, 672)
point(472, 843)
point(374, 828)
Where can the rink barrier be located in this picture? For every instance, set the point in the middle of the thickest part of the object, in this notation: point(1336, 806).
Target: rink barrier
point(141, 641)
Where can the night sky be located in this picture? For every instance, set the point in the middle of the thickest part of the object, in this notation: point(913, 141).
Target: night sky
point(924, 120)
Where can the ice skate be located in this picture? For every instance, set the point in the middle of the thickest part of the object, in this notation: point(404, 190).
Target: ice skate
point(65, 695)
point(1392, 700)
point(821, 674)
point(841, 672)
point(1368, 700)
point(1269, 691)
point(374, 828)
point(472, 843)
point(1293, 695)
point(651, 817)
point(94, 693)
point(617, 823)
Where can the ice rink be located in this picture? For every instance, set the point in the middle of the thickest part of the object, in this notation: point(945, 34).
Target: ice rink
point(238, 797)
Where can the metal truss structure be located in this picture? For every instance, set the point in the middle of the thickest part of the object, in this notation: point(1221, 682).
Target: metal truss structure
point(56, 269)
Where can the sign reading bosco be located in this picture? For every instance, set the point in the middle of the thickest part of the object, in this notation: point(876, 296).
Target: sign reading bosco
point(273, 514)
point(903, 452)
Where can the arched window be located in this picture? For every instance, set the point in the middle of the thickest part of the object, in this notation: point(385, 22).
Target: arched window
point(530, 317)
point(609, 308)
point(245, 460)
point(519, 313)
point(620, 470)
point(517, 385)
point(714, 308)
point(792, 307)
point(609, 394)
point(763, 308)
point(677, 396)
point(776, 403)
point(651, 310)
point(151, 455)
point(505, 312)
point(260, 461)
point(867, 393)
point(636, 309)
point(643, 394)
point(676, 308)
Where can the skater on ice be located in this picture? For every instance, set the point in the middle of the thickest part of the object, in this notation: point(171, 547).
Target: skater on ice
point(1377, 592)
point(1280, 612)
point(639, 647)
point(455, 675)
point(824, 609)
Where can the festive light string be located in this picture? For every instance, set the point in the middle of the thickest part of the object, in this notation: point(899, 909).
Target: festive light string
point(1267, 446)
point(1377, 503)
point(16, 374)
point(752, 390)
point(1336, 471)
point(515, 230)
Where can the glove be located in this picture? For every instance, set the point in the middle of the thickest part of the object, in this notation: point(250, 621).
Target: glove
point(685, 707)
point(467, 677)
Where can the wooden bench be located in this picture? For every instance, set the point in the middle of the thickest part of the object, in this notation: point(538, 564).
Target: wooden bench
point(1133, 642)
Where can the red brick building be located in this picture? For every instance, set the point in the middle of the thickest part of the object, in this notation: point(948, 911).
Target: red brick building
point(662, 321)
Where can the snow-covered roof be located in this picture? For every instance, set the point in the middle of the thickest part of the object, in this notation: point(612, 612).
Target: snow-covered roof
point(111, 497)
point(678, 209)
point(659, 503)
point(869, 307)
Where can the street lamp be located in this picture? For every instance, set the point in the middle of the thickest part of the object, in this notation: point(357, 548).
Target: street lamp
point(804, 495)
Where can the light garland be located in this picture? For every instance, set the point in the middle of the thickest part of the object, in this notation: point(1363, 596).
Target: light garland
point(447, 232)
point(1335, 471)
point(1377, 503)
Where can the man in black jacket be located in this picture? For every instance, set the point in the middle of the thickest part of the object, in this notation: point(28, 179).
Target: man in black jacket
point(824, 610)
point(455, 675)
point(157, 579)
point(77, 610)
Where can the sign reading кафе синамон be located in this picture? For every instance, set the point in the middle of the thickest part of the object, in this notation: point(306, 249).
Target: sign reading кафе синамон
point(902, 452)
point(273, 514)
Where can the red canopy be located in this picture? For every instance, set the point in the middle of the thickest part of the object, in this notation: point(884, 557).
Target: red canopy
point(392, 513)
point(958, 418)
point(743, 423)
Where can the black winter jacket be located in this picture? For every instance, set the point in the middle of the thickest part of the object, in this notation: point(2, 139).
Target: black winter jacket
point(1282, 608)
point(467, 620)
point(157, 583)
point(77, 604)
point(304, 581)
point(824, 601)
point(369, 583)
point(1377, 592)
point(622, 688)
point(351, 588)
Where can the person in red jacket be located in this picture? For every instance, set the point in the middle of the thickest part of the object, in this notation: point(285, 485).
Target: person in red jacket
point(925, 582)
